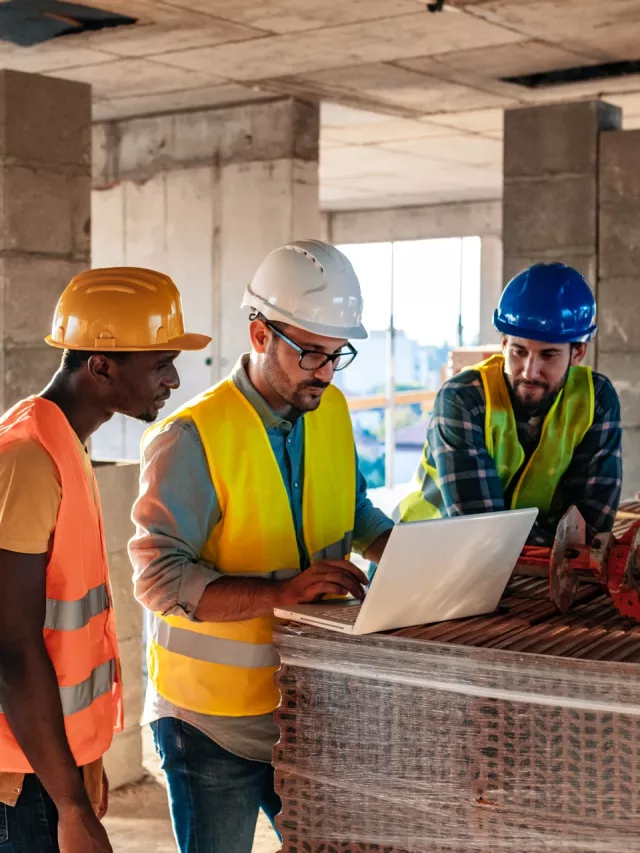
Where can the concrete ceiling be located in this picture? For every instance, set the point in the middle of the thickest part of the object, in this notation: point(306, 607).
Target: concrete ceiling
point(412, 101)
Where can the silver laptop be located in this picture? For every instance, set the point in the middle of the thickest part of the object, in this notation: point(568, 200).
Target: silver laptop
point(431, 571)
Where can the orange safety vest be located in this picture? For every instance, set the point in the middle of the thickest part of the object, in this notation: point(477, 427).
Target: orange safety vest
point(79, 629)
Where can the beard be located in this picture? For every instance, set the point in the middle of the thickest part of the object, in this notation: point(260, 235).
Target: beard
point(532, 402)
point(147, 417)
point(533, 396)
point(303, 397)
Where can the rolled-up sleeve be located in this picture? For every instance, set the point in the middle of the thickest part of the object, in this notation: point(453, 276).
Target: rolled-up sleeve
point(370, 522)
point(176, 511)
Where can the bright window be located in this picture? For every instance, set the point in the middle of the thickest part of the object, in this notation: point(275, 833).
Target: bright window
point(421, 299)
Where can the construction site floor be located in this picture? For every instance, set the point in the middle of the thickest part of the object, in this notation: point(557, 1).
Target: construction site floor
point(138, 819)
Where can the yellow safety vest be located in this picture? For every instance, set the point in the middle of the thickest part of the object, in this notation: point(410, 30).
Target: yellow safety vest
point(227, 668)
point(564, 427)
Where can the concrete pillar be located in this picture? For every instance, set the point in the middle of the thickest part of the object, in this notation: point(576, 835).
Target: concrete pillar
point(118, 489)
point(203, 196)
point(45, 193)
point(490, 286)
point(619, 286)
point(550, 202)
point(45, 182)
point(572, 193)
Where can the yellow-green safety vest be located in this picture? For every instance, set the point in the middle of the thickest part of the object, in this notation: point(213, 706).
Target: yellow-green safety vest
point(564, 427)
point(228, 668)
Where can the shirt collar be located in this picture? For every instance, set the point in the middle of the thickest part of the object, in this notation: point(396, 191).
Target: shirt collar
point(269, 418)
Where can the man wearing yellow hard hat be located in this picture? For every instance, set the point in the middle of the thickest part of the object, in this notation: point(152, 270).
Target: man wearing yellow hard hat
point(120, 330)
point(251, 498)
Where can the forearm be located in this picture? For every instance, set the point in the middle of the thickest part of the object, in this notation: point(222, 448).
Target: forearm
point(237, 599)
point(169, 583)
point(375, 550)
point(30, 699)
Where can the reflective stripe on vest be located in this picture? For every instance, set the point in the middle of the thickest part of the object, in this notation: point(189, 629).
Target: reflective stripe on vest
point(72, 615)
point(228, 668)
point(80, 696)
point(211, 649)
point(564, 427)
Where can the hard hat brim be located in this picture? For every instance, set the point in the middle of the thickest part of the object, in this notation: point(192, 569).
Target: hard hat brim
point(539, 335)
point(183, 343)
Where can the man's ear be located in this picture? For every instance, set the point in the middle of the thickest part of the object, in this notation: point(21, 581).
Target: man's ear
point(503, 343)
point(101, 368)
point(259, 335)
point(578, 352)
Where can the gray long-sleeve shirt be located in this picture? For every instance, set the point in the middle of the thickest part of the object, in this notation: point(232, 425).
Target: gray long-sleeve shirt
point(174, 515)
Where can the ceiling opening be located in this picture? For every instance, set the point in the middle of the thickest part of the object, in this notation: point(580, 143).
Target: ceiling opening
point(29, 22)
point(604, 71)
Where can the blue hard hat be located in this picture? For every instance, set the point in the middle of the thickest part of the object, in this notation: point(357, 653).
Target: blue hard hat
point(547, 302)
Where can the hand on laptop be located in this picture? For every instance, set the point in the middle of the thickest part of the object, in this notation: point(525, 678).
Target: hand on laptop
point(326, 577)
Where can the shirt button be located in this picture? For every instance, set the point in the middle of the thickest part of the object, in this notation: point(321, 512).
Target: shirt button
point(295, 485)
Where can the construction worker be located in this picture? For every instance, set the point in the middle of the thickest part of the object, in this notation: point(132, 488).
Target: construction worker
point(531, 427)
point(251, 499)
point(120, 330)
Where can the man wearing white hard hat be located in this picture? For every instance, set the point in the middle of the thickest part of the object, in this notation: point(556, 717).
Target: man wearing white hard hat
point(251, 499)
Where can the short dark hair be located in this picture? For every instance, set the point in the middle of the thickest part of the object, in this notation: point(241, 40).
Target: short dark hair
point(74, 359)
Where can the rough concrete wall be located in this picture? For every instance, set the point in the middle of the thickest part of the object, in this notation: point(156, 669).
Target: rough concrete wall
point(118, 486)
point(203, 197)
point(619, 286)
point(45, 182)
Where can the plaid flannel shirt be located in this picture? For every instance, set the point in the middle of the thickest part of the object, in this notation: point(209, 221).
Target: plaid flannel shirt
point(468, 477)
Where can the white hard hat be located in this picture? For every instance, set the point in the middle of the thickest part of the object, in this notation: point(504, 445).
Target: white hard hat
point(311, 285)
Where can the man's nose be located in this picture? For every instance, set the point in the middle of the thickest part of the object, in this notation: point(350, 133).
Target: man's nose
point(531, 370)
point(172, 379)
point(325, 374)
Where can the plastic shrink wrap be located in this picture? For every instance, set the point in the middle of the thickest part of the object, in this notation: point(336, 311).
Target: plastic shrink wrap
point(400, 745)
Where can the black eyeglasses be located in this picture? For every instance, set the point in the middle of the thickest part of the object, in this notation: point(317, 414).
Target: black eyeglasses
point(311, 359)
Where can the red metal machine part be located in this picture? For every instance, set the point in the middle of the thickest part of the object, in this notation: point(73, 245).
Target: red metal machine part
point(610, 561)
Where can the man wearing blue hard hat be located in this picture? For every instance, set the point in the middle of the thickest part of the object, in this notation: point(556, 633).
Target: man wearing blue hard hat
point(530, 427)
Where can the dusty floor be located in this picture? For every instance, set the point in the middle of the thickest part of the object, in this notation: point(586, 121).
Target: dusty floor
point(138, 819)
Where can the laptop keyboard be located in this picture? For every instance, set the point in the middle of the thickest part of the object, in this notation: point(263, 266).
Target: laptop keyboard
point(342, 613)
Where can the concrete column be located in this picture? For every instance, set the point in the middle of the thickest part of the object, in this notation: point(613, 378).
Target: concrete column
point(203, 196)
point(490, 286)
point(550, 203)
point(118, 489)
point(45, 182)
point(572, 193)
point(619, 286)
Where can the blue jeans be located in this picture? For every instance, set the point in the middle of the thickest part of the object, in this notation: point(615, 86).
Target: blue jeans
point(31, 826)
point(214, 795)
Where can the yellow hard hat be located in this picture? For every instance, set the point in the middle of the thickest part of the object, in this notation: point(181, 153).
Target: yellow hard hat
point(121, 309)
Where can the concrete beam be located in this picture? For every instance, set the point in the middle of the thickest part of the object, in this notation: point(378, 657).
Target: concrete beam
point(463, 219)
point(140, 148)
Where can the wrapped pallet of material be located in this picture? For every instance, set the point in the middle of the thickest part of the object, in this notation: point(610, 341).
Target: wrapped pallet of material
point(394, 744)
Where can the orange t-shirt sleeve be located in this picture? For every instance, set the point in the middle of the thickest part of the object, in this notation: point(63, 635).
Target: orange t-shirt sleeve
point(30, 497)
